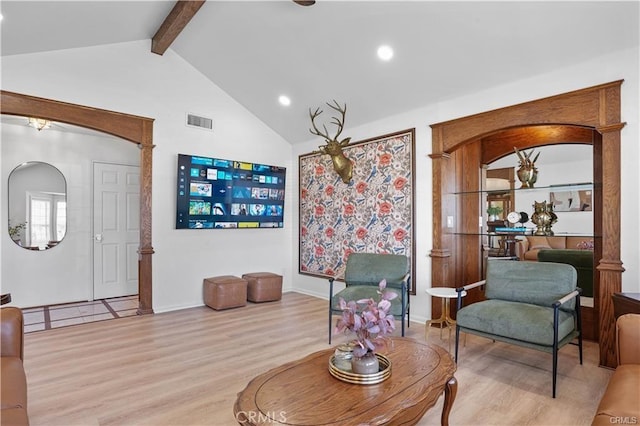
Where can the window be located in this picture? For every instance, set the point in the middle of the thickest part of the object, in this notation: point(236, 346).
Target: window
point(47, 223)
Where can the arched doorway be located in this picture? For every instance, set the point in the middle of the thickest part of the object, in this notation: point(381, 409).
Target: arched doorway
point(135, 129)
point(458, 147)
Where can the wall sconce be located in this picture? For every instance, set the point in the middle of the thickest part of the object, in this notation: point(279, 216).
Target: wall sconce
point(39, 123)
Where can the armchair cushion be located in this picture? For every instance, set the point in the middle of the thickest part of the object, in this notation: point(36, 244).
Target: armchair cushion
point(520, 321)
point(371, 268)
point(534, 283)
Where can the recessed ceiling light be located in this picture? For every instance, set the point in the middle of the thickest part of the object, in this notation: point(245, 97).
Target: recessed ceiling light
point(284, 100)
point(385, 52)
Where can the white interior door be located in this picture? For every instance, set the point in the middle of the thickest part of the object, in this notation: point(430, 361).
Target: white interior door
point(116, 229)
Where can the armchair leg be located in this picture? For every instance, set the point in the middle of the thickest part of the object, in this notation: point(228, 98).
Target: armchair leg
point(330, 321)
point(457, 340)
point(555, 369)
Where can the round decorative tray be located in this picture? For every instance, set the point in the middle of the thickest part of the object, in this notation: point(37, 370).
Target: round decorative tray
point(362, 379)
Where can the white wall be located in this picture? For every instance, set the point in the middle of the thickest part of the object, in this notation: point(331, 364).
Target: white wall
point(128, 78)
point(615, 66)
point(63, 273)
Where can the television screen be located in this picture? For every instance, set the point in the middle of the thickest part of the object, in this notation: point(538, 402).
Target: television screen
point(214, 193)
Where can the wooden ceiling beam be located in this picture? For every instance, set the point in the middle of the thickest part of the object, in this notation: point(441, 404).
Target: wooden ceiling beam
point(174, 23)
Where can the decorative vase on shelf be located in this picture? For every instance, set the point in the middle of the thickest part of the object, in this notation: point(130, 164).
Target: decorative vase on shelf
point(553, 218)
point(367, 364)
point(527, 172)
point(543, 216)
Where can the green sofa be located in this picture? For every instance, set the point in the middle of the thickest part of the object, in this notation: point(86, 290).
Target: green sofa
point(582, 260)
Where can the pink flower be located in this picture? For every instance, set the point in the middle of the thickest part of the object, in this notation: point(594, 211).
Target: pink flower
point(399, 183)
point(361, 233)
point(319, 170)
point(319, 251)
point(329, 190)
point(385, 207)
point(329, 232)
point(361, 187)
point(399, 234)
point(346, 254)
point(385, 159)
point(303, 193)
point(319, 210)
point(349, 209)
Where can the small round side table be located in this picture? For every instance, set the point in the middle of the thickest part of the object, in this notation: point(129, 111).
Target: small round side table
point(445, 320)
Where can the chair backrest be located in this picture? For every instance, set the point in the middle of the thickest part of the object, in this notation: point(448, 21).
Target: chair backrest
point(530, 282)
point(371, 268)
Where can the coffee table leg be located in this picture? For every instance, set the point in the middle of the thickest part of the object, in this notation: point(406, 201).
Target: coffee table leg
point(450, 391)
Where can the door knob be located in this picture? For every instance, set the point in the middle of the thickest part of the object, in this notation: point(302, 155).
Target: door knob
point(99, 238)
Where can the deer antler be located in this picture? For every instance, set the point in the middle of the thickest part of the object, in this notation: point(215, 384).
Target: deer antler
point(339, 122)
point(315, 130)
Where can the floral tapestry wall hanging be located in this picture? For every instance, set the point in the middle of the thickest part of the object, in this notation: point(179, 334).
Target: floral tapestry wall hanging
point(372, 214)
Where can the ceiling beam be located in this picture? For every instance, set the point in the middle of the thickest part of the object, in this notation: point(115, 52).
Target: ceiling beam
point(174, 23)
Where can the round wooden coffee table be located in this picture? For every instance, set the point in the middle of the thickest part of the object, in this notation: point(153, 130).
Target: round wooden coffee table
point(303, 392)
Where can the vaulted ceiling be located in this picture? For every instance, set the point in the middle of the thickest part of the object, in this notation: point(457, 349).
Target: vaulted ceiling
point(259, 50)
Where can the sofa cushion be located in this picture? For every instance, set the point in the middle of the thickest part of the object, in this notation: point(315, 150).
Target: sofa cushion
point(582, 260)
point(13, 383)
point(537, 243)
point(557, 242)
point(515, 320)
point(620, 400)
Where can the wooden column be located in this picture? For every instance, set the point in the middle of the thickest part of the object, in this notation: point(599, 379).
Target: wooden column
point(145, 251)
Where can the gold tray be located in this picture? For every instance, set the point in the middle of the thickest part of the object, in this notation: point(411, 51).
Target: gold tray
point(362, 379)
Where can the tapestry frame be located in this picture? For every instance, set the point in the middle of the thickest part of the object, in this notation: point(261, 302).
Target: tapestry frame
point(335, 218)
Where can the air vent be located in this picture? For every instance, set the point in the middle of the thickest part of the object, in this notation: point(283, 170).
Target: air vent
point(199, 122)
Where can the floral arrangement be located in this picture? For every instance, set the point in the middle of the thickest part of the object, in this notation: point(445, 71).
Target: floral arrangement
point(371, 324)
point(585, 245)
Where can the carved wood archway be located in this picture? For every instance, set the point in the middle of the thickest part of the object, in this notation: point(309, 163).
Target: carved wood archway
point(135, 129)
point(455, 261)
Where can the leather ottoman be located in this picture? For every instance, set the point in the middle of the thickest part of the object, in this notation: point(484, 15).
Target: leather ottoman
point(224, 292)
point(263, 286)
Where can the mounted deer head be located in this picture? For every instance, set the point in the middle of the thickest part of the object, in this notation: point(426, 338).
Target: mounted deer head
point(341, 164)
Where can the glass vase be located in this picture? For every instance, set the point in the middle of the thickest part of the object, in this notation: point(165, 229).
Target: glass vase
point(367, 364)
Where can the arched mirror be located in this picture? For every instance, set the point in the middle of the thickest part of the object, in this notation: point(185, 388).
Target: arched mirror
point(37, 206)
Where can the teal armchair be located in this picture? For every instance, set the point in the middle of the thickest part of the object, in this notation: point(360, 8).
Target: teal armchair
point(530, 304)
point(363, 273)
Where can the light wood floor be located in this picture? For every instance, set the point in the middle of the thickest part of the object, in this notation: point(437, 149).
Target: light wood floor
point(186, 368)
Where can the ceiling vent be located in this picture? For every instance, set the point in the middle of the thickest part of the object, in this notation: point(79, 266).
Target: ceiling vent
point(199, 122)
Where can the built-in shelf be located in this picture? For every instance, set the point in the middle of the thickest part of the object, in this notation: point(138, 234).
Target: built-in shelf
point(583, 186)
point(522, 234)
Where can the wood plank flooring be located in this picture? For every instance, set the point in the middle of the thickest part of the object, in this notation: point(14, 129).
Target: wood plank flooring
point(186, 368)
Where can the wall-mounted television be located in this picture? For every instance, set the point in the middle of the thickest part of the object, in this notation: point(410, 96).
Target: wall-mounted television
point(213, 193)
